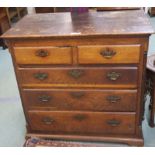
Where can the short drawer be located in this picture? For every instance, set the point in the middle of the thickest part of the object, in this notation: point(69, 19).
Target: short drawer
point(114, 77)
point(82, 122)
point(80, 99)
point(125, 54)
point(43, 55)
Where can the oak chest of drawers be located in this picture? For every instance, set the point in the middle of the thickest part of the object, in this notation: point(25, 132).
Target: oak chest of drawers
point(81, 77)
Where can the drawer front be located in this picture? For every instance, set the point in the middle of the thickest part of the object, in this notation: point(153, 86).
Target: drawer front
point(116, 54)
point(84, 100)
point(121, 77)
point(43, 55)
point(82, 123)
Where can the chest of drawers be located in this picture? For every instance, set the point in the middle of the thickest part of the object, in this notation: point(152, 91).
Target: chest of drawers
point(81, 77)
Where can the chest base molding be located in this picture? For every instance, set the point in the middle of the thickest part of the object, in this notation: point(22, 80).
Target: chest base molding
point(127, 140)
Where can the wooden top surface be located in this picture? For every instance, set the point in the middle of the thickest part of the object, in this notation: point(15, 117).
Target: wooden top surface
point(85, 24)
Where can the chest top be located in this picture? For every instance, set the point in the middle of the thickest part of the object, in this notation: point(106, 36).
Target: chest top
point(85, 24)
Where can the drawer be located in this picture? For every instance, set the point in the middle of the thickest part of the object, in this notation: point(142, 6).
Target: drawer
point(82, 122)
point(125, 54)
point(115, 77)
point(43, 55)
point(83, 100)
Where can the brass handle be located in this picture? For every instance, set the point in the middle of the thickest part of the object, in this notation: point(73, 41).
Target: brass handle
point(113, 76)
point(76, 73)
point(44, 98)
point(113, 99)
point(113, 122)
point(48, 120)
point(42, 53)
point(41, 76)
point(79, 117)
point(108, 54)
point(77, 94)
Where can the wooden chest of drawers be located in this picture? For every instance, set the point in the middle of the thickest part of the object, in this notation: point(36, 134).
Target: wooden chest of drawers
point(81, 77)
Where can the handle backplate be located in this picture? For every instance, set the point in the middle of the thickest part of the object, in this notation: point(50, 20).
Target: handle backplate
point(41, 76)
point(77, 94)
point(113, 122)
point(42, 53)
point(44, 98)
point(79, 117)
point(113, 76)
point(113, 99)
point(76, 73)
point(107, 53)
point(48, 120)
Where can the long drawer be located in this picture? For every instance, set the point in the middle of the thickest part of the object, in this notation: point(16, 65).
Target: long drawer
point(114, 77)
point(109, 54)
point(43, 55)
point(82, 122)
point(83, 99)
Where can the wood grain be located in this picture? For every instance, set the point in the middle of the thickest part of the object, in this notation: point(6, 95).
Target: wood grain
point(82, 122)
point(85, 24)
point(48, 55)
point(126, 54)
point(83, 76)
point(78, 65)
point(80, 99)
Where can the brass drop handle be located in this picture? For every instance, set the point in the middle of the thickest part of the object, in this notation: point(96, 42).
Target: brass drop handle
point(108, 54)
point(79, 117)
point(41, 76)
point(76, 73)
point(48, 120)
point(113, 122)
point(42, 53)
point(44, 98)
point(113, 76)
point(77, 94)
point(113, 99)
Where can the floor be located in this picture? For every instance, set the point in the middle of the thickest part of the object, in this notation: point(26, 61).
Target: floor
point(12, 121)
